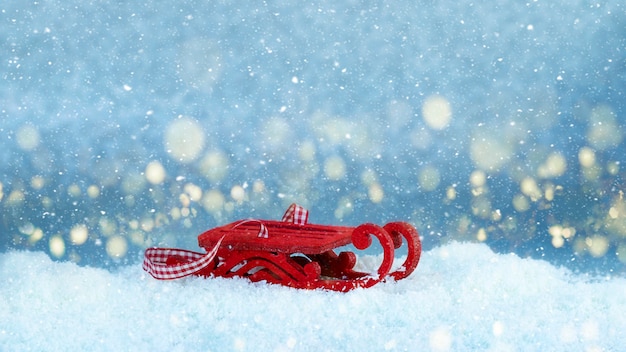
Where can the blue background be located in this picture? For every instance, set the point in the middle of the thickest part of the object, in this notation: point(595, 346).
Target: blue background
point(100, 84)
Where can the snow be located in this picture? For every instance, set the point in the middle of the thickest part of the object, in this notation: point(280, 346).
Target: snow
point(462, 297)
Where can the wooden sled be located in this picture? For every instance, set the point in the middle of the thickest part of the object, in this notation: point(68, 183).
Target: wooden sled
point(290, 252)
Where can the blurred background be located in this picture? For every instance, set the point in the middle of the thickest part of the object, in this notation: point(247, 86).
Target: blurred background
point(129, 125)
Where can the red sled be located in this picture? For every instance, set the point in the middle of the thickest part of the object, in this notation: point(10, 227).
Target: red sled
point(290, 252)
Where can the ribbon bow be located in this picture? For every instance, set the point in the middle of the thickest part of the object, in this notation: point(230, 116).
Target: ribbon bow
point(296, 214)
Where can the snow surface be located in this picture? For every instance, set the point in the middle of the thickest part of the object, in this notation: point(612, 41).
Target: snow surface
point(462, 297)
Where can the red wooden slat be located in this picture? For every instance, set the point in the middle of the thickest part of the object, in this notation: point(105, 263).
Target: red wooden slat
point(283, 237)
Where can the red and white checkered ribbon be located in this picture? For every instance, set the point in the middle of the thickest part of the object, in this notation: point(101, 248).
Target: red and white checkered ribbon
point(183, 262)
point(155, 261)
point(296, 214)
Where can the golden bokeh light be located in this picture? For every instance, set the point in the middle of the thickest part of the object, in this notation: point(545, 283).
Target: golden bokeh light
point(74, 190)
point(184, 200)
point(36, 236)
point(16, 198)
point(586, 157)
point(27, 137)
point(213, 201)
point(116, 246)
point(554, 166)
point(214, 165)
point(57, 246)
point(155, 172)
point(38, 182)
point(375, 193)
point(530, 188)
point(521, 203)
point(597, 245)
point(481, 236)
point(238, 193)
point(194, 192)
point(437, 112)
point(451, 193)
point(344, 208)
point(184, 139)
point(613, 168)
point(258, 186)
point(306, 151)
point(560, 234)
point(478, 178)
point(429, 178)
point(79, 234)
point(93, 191)
point(107, 226)
point(490, 151)
point(334, 168)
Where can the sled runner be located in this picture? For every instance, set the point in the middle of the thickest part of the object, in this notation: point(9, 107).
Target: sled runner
point(290, 252)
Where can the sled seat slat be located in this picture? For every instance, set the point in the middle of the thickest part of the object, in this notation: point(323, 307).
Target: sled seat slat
point(282, 237)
